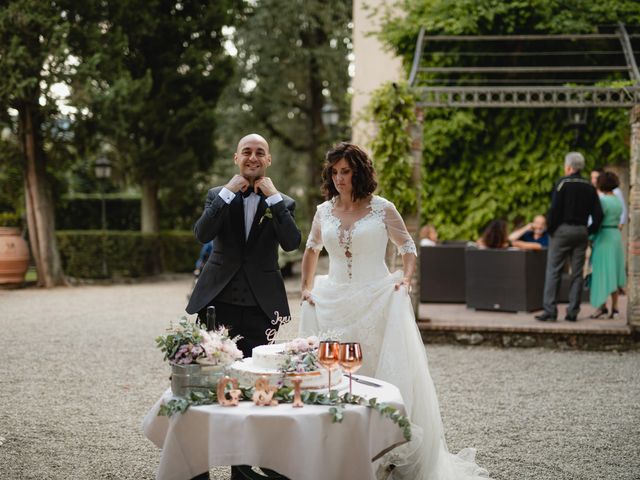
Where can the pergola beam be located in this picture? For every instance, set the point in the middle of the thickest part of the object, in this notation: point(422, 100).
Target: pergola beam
point(493, 38)
point(628, 53)
point(533, 69)
point(528, 97)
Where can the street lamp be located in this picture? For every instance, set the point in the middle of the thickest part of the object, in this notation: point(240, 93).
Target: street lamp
point(577, 119)
point(102, 170)
point(103, 167)
point(577, 116)
point(330, 115)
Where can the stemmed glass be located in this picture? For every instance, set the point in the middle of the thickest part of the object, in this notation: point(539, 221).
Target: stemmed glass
point(329, 356)
point(350, 359)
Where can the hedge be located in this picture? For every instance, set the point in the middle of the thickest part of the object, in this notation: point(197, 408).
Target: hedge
point(86, 214)
point(127, 253)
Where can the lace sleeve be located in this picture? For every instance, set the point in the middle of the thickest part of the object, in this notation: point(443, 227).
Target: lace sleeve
point(315, 235)
point(398, 231)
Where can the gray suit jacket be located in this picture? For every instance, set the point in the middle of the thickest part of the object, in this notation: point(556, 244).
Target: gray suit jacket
point(257, 256)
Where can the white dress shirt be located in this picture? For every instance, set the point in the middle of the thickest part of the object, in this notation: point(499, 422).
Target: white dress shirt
point(250, 205)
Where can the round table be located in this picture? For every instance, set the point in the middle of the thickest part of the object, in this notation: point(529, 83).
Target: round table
point(299, 443)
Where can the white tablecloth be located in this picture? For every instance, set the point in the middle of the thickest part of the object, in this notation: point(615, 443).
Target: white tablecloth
point(300, 443)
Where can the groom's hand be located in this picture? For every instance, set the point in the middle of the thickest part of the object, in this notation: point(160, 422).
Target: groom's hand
point(237, 184)
point(266, 185)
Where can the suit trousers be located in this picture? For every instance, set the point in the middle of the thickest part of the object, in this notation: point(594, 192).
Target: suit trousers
point(567, 241)
point(248, 321)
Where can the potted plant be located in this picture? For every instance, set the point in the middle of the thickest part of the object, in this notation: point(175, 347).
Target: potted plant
point(198, 358)
point(14, 252)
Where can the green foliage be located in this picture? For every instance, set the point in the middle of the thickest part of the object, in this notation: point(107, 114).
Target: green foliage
point(477, 17)
point(482, 164)
point(127, 254)
point(160, 73)
point(185, 333)
point(285, 394)
point(9, 219)
point(122, 211)
point(179, 250)
point(85, 212)
point(485, 164)
point(393, 109)
point(11, 181)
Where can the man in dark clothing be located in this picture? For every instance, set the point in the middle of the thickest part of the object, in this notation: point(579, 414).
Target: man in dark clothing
point(572, 202)
point(247, 220)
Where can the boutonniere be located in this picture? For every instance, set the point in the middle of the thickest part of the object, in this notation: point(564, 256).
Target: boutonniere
point(267, 214)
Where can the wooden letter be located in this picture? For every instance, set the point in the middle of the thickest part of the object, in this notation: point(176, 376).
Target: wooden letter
point(297, 398)
point(263, 394)
point(234, 393)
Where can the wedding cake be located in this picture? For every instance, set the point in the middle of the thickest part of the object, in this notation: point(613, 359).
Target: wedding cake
point(282, 362)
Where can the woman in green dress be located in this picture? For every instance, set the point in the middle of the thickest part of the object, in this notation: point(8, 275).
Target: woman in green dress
point(607, 258)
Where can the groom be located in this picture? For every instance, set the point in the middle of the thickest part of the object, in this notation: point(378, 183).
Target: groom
point(247, 219)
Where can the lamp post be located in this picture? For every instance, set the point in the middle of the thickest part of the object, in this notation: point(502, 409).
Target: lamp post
point(577, 119)
point(103, 173)
point(330, 117)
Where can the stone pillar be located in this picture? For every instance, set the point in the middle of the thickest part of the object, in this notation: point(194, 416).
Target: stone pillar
point(633, 278)
point(414, 222)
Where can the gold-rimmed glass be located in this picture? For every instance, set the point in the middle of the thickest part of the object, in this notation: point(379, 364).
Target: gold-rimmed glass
point(350, 359)
point(329, 356)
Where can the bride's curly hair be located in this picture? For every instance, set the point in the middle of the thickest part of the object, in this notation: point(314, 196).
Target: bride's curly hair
point(363, 180)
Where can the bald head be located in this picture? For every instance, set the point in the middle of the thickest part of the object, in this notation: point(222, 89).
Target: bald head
point(253, 137)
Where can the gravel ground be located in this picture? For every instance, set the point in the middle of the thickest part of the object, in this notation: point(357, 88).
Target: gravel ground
point(81, 370)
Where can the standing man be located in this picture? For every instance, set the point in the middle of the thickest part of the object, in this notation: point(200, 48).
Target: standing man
point(247, 219)
point(572, 201)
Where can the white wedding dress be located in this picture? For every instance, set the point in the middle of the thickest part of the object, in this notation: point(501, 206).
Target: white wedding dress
point(357, 301)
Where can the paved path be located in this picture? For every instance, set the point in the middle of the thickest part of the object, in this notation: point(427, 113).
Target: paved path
point(80, 369)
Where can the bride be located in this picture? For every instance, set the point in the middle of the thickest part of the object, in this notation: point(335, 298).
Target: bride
point(360, 300)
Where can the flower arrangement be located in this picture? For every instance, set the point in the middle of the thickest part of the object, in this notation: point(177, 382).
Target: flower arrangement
point(219, 348)
point(302, 355)
point(188, 342)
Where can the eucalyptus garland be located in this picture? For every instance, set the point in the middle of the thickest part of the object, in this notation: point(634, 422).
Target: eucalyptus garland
point(285, 395)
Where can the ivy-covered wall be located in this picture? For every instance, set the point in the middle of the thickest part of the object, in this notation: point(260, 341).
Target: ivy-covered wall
point(485, 164)
point(481, 164)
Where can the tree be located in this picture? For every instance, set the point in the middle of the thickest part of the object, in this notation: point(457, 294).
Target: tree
point(159, 75)
point(292, 62)
point(33, 54)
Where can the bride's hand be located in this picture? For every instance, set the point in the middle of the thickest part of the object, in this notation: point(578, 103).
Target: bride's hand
point(307, 297)
point(406, 282)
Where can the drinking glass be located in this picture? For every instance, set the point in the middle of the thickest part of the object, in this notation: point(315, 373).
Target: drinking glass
point(329, 356)
point(350, 359)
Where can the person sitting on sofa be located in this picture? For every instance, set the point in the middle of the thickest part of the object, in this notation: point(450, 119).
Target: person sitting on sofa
point(494, 236)
point(428, 236)
point(533, 236)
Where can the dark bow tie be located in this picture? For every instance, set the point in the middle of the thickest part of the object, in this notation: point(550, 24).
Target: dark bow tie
point(249, 191)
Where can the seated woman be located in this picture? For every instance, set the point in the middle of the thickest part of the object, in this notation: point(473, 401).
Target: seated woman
point(428, 236)
point(495, 235)
point(533, 236)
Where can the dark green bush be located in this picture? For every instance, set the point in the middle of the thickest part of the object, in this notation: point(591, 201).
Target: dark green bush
point(122, 212)
point(85, 213)
point(126, 253)
point(180, 251)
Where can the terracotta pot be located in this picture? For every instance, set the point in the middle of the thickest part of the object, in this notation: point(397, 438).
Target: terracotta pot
point(14, 256)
